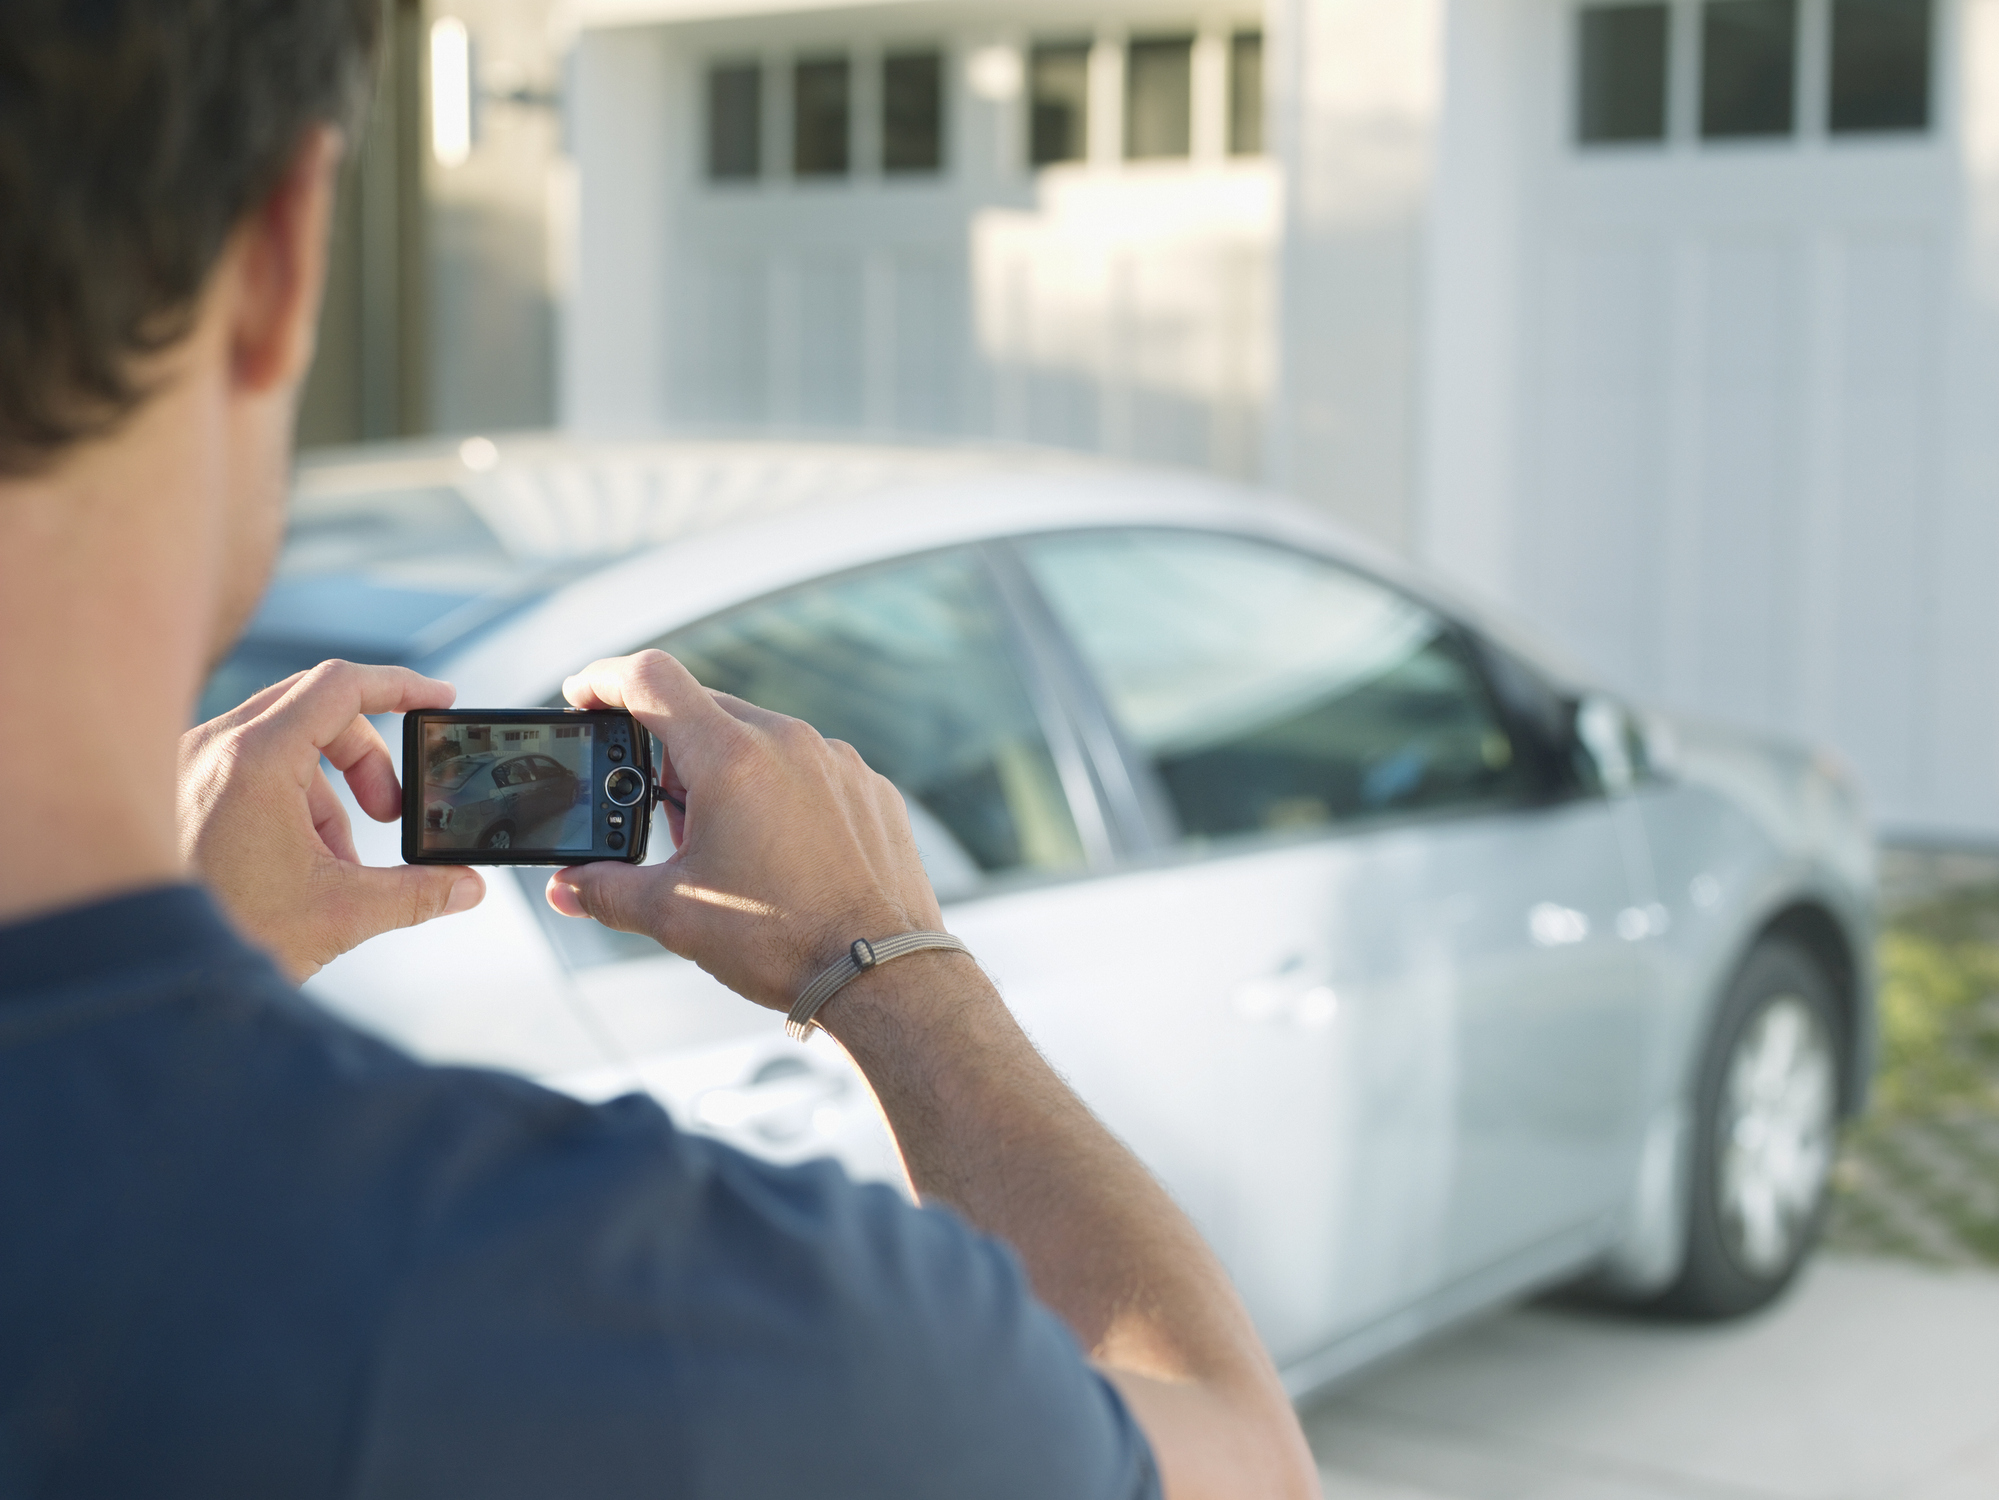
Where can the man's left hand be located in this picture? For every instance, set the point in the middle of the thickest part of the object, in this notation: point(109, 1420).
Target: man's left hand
point(261, 825)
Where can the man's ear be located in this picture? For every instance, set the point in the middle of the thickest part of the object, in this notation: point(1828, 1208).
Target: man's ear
point(280, 269)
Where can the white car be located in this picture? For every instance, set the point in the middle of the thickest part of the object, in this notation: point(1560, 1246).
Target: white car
point(1422, 974)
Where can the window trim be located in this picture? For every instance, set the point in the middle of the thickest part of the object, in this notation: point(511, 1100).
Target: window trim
point(1810, 129)
point(1115, 761)
point(835, 58)
point(711, 67)
point(1050, 45)
point(1136, 814)
point(1577, 54)
point(1133, 48)
point(1028, 657)
point(907, 50)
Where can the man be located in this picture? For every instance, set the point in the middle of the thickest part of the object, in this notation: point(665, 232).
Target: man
point(248, 1251)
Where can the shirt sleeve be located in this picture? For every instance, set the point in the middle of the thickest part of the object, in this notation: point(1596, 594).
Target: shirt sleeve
point(602, 1305)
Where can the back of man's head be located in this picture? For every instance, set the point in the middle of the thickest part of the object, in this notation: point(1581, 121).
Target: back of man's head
point(134, 136)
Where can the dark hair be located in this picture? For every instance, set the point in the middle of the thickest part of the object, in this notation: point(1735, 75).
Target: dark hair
point(134, 137)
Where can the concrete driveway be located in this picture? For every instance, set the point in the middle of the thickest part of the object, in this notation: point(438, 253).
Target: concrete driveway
point(1873, 1380)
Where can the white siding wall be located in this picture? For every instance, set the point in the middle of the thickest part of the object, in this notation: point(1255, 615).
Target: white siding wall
point(1358, 90)
point(1722, 420)
point(1118, 307)
point(614, 331)
point(1740, 416)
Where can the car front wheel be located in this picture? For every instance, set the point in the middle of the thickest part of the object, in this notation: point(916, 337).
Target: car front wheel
point(499, 836)
point(1766, 1131)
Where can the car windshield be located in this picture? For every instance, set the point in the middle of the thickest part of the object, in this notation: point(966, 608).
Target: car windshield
point(450, 775)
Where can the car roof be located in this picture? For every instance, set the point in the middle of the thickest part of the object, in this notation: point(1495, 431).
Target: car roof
point(430, 551)
point(550, 498)
point(401, 550)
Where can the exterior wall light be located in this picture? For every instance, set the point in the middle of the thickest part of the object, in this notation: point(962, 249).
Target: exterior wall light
point(450, 92)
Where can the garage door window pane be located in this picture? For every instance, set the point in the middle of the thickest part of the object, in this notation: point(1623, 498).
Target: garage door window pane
point(1270, 690)
point(1621, 73)
point(735, 121)
point(1058, 102)
point(1246, 94)
point(819, 103)
point(1159, 97)
point(911, 665)
point(1748, 61)
point(1880, 65)
point(912, 112)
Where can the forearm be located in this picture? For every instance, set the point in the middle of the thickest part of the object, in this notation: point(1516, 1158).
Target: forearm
point(986, 1126)
point(786, 847)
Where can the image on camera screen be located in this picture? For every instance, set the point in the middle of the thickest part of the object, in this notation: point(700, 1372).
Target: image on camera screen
point(507, 786)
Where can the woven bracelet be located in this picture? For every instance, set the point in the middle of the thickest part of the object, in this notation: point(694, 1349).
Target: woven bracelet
point(851, 965)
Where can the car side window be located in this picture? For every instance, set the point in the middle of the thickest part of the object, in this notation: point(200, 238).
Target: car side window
point(1271, 690)
point(913, 666)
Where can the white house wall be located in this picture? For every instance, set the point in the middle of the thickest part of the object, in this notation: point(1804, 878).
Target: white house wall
point(1112, 306)
point(1357, 92)
point(1721, 417)
point(614, 331)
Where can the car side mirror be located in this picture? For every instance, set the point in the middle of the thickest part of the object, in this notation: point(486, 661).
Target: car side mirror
point(1609, 735)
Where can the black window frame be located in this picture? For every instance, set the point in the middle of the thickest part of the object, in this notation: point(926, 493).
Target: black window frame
point(826, 168)
point(1163, 44)
point(940, 105)
point(1924, 120)
point(1600, 18)
point(1053, 47)
point(751, 167)
point(1782, 121)
point(1839, 110)
point(1245, 123)
point(1146, 828)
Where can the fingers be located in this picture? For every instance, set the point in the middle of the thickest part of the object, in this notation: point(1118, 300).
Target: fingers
point(320, 706)
point(256, 703)
point(359, 754)
point(329, 818)
point(696, 733)
point(749, 713)
point(379, 899)
point(630, 898)
point(651, 685)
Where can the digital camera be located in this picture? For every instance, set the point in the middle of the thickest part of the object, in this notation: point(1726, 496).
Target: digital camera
point(525, 787)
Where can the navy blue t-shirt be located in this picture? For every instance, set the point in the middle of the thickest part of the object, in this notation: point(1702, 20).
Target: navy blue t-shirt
point(248, 1250)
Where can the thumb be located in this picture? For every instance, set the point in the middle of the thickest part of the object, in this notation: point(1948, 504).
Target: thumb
point(618, 895)
point(378, 899)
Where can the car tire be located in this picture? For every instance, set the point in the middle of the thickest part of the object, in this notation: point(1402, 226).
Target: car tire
point(499, 836)
point(1766, 1130)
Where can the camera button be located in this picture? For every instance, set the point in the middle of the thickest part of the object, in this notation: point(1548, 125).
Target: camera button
point(616, 841)
point(617, 752)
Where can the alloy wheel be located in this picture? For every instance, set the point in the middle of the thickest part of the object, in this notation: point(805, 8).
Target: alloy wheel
point(1779, 1112)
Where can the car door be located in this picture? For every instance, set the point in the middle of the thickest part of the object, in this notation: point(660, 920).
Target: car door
point(1337, 933)
point(553, 791)
point(916, 664)
point(1562, 996)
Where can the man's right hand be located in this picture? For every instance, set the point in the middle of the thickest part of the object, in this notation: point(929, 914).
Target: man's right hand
point(787, 850)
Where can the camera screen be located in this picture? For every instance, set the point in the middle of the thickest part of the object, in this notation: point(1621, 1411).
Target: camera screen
point(510, 786)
